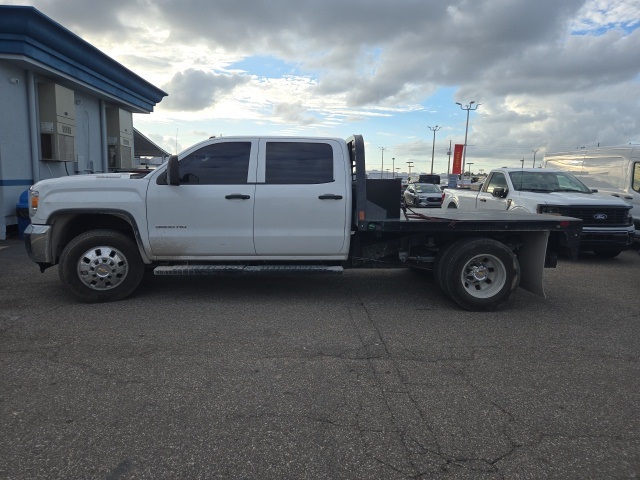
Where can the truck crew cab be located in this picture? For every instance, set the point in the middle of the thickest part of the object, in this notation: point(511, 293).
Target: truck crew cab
point(285, 204)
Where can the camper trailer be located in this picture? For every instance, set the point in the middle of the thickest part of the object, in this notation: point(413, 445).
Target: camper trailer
point(613, 170)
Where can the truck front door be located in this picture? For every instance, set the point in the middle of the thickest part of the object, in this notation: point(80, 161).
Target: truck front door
point(301, 198)
point(211, 212)
point(486, 198)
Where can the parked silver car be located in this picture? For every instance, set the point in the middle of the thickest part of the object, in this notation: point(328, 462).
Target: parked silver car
point(423, 195)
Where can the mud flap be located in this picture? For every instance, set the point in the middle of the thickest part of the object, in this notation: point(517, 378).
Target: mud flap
point(532, 259)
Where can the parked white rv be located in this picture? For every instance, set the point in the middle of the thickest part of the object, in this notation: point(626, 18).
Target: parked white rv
point(614, 170)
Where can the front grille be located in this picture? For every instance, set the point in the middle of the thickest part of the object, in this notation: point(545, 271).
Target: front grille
point(596, 216)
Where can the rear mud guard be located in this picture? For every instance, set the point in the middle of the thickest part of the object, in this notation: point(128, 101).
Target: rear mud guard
point(532, 258)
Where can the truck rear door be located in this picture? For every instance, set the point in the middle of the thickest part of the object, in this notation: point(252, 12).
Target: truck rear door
point(302, 198)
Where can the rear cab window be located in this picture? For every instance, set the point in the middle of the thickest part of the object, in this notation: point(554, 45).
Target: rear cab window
point(298, 163)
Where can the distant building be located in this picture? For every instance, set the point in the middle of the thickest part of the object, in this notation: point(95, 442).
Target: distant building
point(65, 107)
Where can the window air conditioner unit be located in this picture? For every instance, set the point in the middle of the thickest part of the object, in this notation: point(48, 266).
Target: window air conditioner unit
point(56, 109)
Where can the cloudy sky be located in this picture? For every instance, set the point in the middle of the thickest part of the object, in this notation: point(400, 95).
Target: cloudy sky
point(548, 74)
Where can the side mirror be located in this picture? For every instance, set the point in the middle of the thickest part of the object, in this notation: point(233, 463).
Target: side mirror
point(500, 192)
point(595, 190)
point(173, 171)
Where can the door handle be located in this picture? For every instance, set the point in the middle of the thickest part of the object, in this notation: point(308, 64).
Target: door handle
point(330, 196)
point(238, 196)
point(483, 199)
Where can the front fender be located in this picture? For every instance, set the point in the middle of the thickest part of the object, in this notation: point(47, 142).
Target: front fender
point(521, 209)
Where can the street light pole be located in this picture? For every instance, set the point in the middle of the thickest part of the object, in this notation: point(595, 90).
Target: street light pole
point(534, 156)
point(382, 149)
point(393, 167)
point(466, 130)
point(433, 148)
point(469, 165)
point(410, 165)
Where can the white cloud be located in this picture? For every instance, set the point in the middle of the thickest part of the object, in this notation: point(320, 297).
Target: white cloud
point(359, 61)
point(194, 90)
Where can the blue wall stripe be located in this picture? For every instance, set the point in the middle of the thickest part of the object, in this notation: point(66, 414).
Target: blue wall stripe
point(13, 183)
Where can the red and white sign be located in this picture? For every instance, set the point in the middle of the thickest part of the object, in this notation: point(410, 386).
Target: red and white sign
point(457, 159)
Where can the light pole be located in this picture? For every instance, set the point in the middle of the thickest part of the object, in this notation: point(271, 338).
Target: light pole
point(469, 165)
point(410, 165)
point(382, 149)
point(466, 130)
point(534, 156)
point(433, 148)
point(449, 162)
point(393, 167)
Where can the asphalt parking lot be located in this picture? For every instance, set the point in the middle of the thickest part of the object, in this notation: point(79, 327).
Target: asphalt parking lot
point(370, 375)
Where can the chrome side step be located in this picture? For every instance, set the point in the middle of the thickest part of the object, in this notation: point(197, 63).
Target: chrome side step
point(244, 269)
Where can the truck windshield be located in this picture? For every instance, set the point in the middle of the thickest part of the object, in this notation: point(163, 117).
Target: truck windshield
point(427, 188)
point(541, 181)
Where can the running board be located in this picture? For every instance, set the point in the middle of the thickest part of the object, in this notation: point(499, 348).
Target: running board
point(244, 269)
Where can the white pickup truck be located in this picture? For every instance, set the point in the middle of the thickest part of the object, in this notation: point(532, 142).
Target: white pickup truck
point(607, 223)
point(235, 205)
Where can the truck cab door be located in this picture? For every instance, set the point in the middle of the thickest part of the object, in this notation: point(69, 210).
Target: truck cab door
point(488, 198)
point(302, 198)
point(210, 213)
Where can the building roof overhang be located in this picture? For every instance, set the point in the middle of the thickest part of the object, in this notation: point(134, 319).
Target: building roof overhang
point(32, 40)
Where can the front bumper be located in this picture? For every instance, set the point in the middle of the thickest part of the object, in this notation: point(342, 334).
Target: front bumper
point(606, 237)
point(37, 241)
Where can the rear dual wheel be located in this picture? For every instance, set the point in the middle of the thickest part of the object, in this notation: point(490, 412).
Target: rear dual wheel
point(479, 274)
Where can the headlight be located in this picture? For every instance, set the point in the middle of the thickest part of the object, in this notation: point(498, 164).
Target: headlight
point(549, 209)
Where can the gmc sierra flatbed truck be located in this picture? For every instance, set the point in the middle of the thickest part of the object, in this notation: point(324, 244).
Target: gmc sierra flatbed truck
point(234, 205)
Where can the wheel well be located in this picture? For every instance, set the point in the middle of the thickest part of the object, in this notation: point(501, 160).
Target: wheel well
point(68, 226)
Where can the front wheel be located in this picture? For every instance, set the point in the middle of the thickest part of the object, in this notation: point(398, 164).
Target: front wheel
point(101, 266)
point(479, 274)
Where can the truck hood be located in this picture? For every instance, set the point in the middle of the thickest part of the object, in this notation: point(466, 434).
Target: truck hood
point(573, 198)
point(81, 181)
point(106, 192)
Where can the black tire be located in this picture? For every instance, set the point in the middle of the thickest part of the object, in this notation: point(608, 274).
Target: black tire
point(101, 266)
point(607, 252)
point(452, 205)
point(438, 273)
point(479, 274)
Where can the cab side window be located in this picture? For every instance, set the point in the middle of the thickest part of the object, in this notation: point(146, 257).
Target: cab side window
point(225, 163)
point(497, 180)
point(298, 163)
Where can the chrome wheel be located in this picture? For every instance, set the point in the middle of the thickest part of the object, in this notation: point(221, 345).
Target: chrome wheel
point(102, 268)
